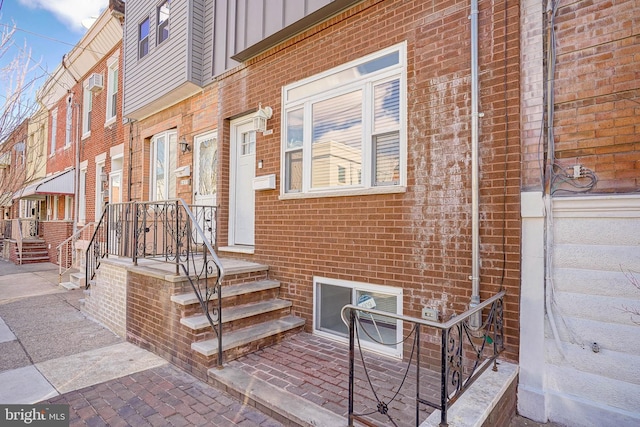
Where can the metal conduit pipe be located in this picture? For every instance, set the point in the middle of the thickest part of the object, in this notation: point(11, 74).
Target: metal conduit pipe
point(475, 186)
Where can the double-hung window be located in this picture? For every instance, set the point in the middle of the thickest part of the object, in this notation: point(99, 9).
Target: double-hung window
point(345, 129)
point(163, 20)
point(164, 157)
point(68, 122)
point(112, 89)
point(87, 106)
point(143, 38)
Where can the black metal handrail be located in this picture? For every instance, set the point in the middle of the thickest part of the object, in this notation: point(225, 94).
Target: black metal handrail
point(466, 352)
point(167, 231)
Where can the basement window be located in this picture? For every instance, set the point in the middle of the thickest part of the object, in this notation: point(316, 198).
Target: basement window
point(377, 332)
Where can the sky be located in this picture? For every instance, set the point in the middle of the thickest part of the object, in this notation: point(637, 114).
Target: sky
point(50, 29)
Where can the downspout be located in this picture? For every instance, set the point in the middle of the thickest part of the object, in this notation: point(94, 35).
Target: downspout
point(475, 187)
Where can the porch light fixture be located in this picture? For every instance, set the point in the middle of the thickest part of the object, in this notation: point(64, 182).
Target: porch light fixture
point(103, 177)
point(260, 118)
point(184, 145)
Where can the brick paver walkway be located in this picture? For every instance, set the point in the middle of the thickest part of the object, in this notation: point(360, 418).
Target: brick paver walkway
point(317, 369)
point(163, 396)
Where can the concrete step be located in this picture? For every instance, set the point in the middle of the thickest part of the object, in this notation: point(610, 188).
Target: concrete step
point(70, 286)
point(229, 291)
point(231, 314)
point(248, 335)
point(78, 278)
point(259, 393)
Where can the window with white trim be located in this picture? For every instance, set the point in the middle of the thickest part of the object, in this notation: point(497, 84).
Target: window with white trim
point(99, 205)
point(87, 106)
point(344, 129)
point(163, 20)
point(143, 38)
point(112, 89)
point(54, 130)
point(68, 122)
point(164, 152)
point(68, 207)
point(82, 197)
point(376, 332)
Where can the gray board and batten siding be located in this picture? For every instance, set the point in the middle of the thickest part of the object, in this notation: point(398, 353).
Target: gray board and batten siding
point(206, 38)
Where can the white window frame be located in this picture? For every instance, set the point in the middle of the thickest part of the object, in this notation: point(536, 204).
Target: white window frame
point(365, 287)
point(82, 194)
point(170, 164)
point(320, 90)
point(87, 107)
point(164, 24)
point(68, 123)
point(144, 40)
point(54, 130)
point(99, 204)
point(68, 207)
point(55, 208)
point(112, 89)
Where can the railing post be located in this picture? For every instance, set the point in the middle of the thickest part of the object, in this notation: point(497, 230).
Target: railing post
point(418, 374)
point(177, 233)
point(444, 390)
point(352, 322)
point(135, 234)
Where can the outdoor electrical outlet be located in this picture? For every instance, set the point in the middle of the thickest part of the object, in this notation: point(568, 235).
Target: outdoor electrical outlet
point(430, 314)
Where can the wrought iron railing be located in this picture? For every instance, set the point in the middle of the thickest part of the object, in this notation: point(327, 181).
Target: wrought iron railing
point(113, 235)
point(167, 231)
point(67, 257)
point(465, 352)
point(6, 228)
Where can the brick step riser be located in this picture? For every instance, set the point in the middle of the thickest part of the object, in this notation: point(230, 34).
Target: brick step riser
point(194, 309)
point(228, 327)
point(234, 353)
point(232, 279)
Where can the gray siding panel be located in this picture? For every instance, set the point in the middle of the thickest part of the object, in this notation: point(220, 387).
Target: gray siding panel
point(166, 67)
point(293, 11)
point(251, 23)
point(274, 17)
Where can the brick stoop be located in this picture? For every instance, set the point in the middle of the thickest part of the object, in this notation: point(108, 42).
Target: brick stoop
point(34, 251)
point(253, 316)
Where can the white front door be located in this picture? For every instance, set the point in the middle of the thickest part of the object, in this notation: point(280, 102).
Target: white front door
point(241, 193)
point(205, 174)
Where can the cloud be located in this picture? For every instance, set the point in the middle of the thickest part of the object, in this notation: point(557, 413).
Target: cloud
point(69, 12)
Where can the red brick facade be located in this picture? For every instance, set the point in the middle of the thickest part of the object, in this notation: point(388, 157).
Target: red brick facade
point(419, 240)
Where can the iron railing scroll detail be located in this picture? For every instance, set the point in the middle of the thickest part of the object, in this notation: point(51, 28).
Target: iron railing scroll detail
point(167, 231)
point(465, 353)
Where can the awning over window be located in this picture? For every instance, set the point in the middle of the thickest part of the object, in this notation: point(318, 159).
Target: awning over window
point(59, 183)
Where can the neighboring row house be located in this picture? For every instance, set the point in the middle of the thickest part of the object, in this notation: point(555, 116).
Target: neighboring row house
point(79, 143)
point(427, 155)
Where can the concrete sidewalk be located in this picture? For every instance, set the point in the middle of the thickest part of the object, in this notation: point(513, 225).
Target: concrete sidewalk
point(51, 352)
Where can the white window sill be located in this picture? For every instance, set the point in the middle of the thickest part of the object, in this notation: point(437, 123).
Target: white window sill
point(345, 193)
point(86, 135)
point(110, 121)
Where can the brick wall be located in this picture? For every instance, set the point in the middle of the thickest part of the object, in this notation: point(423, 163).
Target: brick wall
point(153, 321)
point(597, 92)
point(54, 233)
point(419, 240)
point(108, 298)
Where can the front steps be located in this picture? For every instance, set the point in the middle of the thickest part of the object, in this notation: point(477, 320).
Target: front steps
point(253, 315)
point(34, 251)
point(76, 281)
